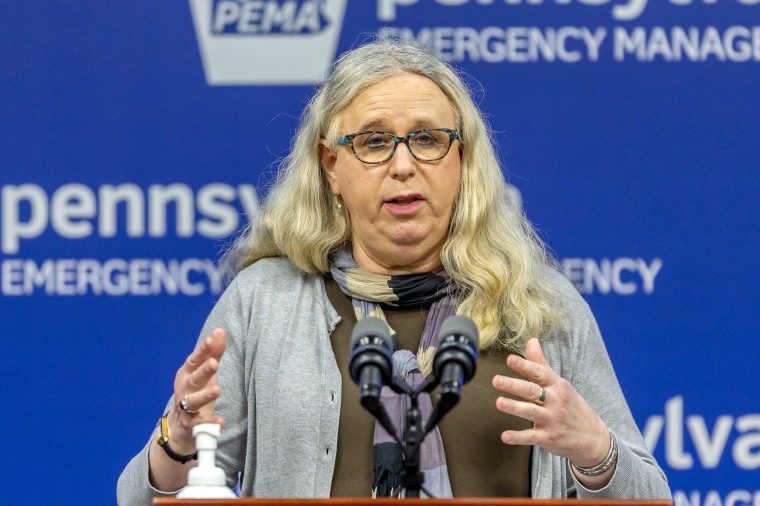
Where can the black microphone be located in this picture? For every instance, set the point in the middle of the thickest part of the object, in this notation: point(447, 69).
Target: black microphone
point(454, 362)
point(371, 366)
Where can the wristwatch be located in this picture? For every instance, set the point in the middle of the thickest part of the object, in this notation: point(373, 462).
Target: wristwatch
point(162, 439)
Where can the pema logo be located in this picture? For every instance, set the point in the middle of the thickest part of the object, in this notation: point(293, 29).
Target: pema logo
point(276, 42)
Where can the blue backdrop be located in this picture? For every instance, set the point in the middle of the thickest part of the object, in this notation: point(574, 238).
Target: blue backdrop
point(136, 137)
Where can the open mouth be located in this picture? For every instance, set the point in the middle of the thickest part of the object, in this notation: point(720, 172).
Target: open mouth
point(404, 201)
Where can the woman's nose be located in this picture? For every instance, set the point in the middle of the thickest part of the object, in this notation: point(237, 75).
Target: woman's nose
point(403, 164)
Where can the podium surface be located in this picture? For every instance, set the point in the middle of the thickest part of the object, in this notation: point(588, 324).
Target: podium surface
point(364, 501)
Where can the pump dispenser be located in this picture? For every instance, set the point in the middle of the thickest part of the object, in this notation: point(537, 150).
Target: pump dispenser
point(206, 481)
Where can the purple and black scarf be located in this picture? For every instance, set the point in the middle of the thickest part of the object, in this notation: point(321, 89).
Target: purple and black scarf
point(368, 291)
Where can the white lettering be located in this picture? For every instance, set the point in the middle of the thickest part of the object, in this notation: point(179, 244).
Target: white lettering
point(626, 10)
point(709, 449)
point(621, 276)
point(712, 499)
point(114, 277)
point(740, 50)
point(709, 445)
point(735, 44)
point(110, 197)
point(616, 278)
point(711, 45)
point(629, 11)
point(75, 211)
point(625, 43)
point(674, 453)
point(680, 498)
point(594, 41)
point(88, 277)
point(518, 44)
point(308, 17)
point(746, 451)
point(38, 277)
point(213, 202)
point(13, 277)
point(226, 13)
point(737, 497)
point(250, 18)
point(648, 273)
point(65, 277)
point(159, 198)
point(70, 202)
point(258, 16)
point(14, 198)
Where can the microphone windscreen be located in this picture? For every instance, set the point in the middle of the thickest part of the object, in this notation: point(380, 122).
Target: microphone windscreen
point(371, 327)
point(460, 325)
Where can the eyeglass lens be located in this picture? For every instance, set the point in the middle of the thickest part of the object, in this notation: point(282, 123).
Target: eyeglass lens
point(376, 147)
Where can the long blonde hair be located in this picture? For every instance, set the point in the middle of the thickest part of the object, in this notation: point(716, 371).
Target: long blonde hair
point(491, 253)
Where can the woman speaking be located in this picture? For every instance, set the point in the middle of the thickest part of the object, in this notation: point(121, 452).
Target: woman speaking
point(392, 204)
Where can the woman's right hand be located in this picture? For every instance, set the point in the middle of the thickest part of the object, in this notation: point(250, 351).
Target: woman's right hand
point(196, 383)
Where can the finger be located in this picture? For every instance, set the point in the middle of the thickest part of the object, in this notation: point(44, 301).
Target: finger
point(198, 356)
point(212, 346)
point(521, 437)
point(534, 353)
point(520, 388)
point(201, 377)
point(534, 367)
point(534, 372)
point(218, 343)
point(196, 401)
point(526, 410)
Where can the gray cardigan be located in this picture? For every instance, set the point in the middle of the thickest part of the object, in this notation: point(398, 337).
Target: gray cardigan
point(281, 394)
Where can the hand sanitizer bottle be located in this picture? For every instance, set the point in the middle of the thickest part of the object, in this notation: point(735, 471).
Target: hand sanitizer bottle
point(206, 481)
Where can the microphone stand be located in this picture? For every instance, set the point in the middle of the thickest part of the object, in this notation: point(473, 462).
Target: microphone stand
point(414, 433)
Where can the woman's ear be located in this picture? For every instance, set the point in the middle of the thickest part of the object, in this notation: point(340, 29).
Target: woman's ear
point(327, 159)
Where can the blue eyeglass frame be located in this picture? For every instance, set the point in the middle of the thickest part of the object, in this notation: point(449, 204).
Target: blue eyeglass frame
point(349, 141)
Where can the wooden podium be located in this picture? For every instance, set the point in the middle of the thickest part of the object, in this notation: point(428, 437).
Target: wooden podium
point(366, 501)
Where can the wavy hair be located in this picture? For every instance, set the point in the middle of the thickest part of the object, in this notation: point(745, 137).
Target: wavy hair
point(492, 253)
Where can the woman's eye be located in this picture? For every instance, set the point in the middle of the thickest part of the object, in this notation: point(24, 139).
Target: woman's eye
point(377, 141)
point(424, 139)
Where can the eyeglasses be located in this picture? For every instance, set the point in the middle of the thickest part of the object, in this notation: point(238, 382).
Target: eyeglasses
point(426, 145)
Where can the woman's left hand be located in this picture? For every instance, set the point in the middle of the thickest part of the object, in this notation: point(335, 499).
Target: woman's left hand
point(563, 424)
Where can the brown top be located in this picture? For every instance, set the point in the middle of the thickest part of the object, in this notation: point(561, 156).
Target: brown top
point(479, 464)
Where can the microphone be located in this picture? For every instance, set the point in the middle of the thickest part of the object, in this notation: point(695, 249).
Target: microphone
point(454, 362)
point(370, 364)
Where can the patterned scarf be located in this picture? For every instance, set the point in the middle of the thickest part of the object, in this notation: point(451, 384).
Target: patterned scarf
point(367, 292)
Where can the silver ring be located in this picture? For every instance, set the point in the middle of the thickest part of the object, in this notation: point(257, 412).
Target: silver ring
point(184, 407)
point(541, 396)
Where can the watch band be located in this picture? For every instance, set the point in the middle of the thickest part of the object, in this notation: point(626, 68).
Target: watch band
point(163, 442)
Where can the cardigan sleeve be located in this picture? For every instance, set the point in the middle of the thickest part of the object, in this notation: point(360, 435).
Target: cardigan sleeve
point(231, 314)
point(637, 474)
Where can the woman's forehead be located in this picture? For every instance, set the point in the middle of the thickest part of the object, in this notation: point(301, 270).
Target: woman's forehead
point(404, 99)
